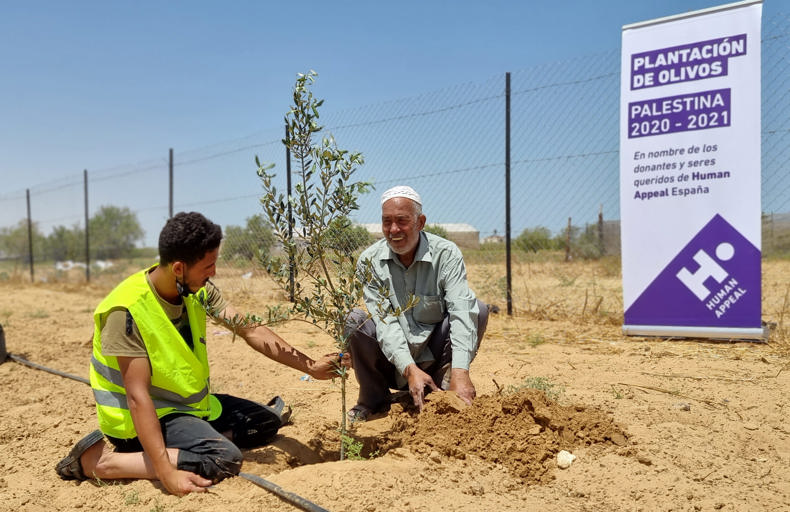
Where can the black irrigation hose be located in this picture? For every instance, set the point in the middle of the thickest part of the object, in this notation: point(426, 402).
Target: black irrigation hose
point(289, 497)
point(31, 364)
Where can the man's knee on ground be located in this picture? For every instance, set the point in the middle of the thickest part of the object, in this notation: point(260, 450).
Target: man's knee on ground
point(224, 462)
point(224, 465)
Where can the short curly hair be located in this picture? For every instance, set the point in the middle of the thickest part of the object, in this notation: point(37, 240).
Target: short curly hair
point(188, 237)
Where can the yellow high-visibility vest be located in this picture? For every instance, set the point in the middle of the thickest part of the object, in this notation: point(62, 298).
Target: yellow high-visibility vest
point(179, 375)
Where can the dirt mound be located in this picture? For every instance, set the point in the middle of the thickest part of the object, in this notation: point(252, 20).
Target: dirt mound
point(523, 431)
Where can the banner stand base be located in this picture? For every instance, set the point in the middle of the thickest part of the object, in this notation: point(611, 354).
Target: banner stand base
point(718, 333)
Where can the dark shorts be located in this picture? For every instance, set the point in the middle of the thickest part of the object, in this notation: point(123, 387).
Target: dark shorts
point(205, 447)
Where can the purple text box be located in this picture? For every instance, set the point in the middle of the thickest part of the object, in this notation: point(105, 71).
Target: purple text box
point(685, 112)
point(685, 63)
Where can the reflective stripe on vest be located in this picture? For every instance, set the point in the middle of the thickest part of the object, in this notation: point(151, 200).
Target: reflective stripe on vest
point(114, 376)
point(179, 375)
point(118, 400)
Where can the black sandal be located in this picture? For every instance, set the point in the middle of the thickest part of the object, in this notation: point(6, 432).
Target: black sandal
point(70, 468)
point(278, 407)
point(360, 413)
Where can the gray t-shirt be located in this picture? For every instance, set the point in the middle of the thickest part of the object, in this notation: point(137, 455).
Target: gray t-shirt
point(116, 342)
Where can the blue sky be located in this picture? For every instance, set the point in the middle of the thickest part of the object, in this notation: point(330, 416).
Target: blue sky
point(97, 84)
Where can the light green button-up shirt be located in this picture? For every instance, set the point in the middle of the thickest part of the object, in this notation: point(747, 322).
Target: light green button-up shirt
point(437, 277)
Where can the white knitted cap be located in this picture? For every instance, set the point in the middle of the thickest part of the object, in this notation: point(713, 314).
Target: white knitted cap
point(401, 191)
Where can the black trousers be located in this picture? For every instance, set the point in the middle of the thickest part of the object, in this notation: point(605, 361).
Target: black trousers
point(203, 447)
point(376, 375)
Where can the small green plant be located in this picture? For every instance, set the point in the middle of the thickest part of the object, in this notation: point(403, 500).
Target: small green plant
point(535, 339)
point(551, 390)
point(618, 395)
point(157, 508)
point(354, 447)
point(567, 280)
point(112, 484)
point(131, 497)
point(39, 313)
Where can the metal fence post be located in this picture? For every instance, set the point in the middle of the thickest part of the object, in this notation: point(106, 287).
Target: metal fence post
point(291, 263)
point(87, 231)
point(601, 248)
point(507, 196)
point(170, 177)
point(30, 236)
point(3, 352)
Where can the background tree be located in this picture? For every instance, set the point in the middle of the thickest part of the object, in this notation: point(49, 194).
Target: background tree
point(436, 229)
point(584, 243)
point(114, 232)
point(66, 244)
point(535, 239)
point(235, 244)
point(252, 242)
point(14, 242)
point(344, 235)
point(260, 231)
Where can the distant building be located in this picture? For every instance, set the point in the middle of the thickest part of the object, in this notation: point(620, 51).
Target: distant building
point(464, 235)
point(493, 239)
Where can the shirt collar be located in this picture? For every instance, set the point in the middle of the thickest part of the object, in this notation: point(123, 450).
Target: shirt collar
point(423, 251)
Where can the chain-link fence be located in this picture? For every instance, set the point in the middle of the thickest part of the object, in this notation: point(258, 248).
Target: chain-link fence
point(448, 144)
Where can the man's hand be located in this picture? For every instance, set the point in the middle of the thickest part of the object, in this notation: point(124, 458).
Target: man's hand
point(326, 367)
point(418, 379)
point(462, 385)
point(181, 482)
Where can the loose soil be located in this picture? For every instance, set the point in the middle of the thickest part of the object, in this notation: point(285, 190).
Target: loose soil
point(655, 424)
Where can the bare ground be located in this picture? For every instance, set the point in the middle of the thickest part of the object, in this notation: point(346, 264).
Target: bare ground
point(655, 424)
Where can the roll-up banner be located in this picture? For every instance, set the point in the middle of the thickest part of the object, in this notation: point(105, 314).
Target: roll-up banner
point(690, 174)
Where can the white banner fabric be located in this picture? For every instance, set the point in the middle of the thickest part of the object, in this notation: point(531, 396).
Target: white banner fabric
point(690, 172)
